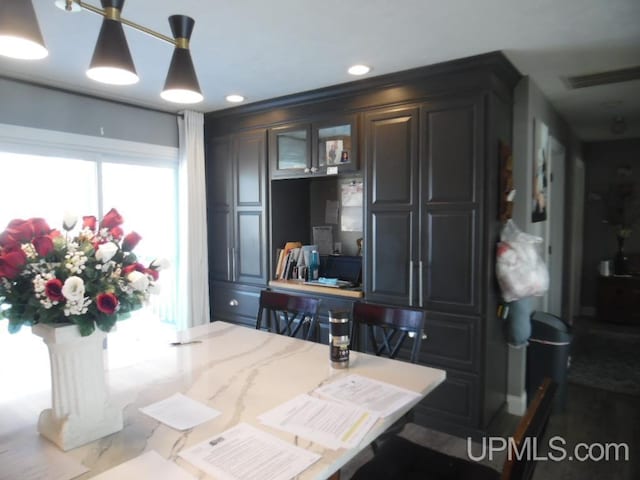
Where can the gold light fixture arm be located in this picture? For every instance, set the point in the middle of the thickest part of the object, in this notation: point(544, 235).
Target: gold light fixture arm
point(124, 21)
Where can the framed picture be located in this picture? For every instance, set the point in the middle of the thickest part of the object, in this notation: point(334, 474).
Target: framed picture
point(334, 149)
point(540, 172)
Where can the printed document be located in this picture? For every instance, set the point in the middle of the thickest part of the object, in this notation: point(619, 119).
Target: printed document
point(332, 424)
point(180, 412)
point(379, 397)
point(246, 453)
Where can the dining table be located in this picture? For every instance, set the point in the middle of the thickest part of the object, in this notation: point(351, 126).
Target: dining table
point(239, 371)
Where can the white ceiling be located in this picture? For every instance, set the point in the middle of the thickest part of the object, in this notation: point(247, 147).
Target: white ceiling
point(266, 49)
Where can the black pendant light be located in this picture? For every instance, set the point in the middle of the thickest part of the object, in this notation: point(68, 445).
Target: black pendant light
point(181, 85)
point(20, 35)
point(112, 62)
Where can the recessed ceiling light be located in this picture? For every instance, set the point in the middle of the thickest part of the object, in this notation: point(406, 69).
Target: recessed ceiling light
point(234, 98)
point(359, 69)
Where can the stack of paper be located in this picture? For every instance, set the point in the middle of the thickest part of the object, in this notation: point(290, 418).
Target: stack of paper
point(332, 424)
point(379, 397)
point(180, 412)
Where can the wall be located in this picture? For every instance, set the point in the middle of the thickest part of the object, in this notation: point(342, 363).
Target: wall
point(34, 106)
point(530, 104)
point(606, 164)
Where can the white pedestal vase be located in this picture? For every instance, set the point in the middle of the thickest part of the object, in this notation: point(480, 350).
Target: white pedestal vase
point(80, 411)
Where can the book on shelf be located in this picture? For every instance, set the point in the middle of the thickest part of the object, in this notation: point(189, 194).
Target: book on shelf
point(283, 258)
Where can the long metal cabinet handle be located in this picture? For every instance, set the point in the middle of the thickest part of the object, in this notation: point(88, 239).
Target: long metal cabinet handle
point(410, 283)
point(228, 264)
point(420, 282)
point(233, 262)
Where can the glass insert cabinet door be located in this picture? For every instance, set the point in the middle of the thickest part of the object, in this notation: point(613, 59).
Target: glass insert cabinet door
point(291, 149)
point(334, 145)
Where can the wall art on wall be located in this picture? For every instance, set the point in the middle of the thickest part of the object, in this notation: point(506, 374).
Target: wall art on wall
point(540, 171)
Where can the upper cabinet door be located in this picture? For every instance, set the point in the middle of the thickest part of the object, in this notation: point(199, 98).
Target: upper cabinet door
point(335, 146)
point(290, 152)
point(452, 160)
point(392, 220)
point(249, 257)
point(220, 208)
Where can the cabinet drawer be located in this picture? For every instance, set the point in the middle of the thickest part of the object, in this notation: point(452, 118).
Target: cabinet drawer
point(235, 304)
point(454, 401)
point(452, 342)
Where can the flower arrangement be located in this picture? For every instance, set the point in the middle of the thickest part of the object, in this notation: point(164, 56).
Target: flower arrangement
point(622, 209)
point(91, 279)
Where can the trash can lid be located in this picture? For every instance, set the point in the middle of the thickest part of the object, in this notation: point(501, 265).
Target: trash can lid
point(550, 328)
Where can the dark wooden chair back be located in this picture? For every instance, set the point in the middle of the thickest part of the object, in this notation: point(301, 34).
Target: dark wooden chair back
point(532, 426)
point(387, 327)
point(291, 315)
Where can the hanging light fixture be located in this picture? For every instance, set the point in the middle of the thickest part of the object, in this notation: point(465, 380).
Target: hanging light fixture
point(112, 62)
point(181, 85)
point(20, 35)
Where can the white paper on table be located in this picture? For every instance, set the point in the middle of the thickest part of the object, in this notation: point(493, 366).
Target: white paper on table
point(180, 412)
point(34, 458)
point(379, 397)
point(332, 424)
point(148, 465)
point(246, 453)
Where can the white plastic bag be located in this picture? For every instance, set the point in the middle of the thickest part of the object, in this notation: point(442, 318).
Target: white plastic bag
point(520, 269)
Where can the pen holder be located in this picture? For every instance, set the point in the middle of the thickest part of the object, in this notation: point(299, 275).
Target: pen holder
point(339, 338)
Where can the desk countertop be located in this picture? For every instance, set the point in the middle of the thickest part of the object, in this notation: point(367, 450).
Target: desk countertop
point(239, 371)
point(301, 286)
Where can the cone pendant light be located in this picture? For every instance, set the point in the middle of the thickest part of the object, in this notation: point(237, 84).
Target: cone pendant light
point(112, 62)
point(20, 35)
point(181, 85)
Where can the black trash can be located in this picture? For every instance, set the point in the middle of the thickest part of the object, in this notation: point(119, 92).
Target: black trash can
point(548, 355)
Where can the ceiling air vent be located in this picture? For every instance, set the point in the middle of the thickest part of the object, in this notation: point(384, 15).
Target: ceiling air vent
point(603, 78)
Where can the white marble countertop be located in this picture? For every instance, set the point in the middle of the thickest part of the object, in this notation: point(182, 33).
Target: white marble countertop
point(236, 370)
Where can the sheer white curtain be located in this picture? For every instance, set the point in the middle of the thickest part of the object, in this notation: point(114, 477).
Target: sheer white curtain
point(193, 277)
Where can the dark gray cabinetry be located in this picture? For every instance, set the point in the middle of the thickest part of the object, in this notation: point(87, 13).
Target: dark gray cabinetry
point(427, 143)
point(326, 146)
point(236, 208)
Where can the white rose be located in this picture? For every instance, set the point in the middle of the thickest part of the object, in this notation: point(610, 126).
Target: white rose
point(154, 288)
point(69, 220)
point(106, 251)
point(73, 288)
point(138, 281)
point(160, 264)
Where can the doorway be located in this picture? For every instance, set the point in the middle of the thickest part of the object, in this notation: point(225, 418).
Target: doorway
point(554, 228)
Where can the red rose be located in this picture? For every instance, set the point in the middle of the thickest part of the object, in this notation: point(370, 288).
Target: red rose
point(53, 290)
point(111, 219)
point(43, 245)
point(89, 222)
point(130, 241)
point(134, 267)
point(107, 303)
point(39, 226)
point(152, 273)
point(7, 240)
point(116, 233)
point(21, 230)
point(11, 263)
